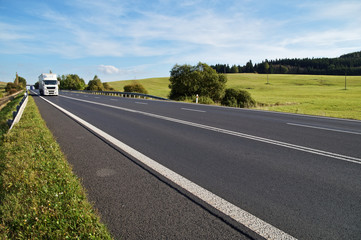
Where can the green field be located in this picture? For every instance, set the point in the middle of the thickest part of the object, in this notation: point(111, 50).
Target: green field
point(155, 86)
point(305, 94)
point(2, 89)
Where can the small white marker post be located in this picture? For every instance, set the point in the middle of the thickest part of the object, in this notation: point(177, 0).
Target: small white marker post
point(197, 98)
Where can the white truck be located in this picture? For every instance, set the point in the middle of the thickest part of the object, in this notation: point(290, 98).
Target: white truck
point(48, 84)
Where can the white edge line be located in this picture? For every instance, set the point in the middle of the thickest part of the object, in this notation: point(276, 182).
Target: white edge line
point(322, 128)
point(255, 224)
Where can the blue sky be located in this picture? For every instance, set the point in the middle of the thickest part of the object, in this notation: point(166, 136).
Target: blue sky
point(123, 39)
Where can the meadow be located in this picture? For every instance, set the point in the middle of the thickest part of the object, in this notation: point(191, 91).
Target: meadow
point(2, 89)
point(320, 95)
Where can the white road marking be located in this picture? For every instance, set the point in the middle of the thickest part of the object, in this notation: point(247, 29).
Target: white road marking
point(112, 99)
point(141, 103)
point(96, 97)
point(255, 224)
point(193, 110)
point(237, 134)
point(323, 128)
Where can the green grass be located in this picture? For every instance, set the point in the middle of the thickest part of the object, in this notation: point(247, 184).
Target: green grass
point(306, 94)
point(40, 197)
point(155, 86)
point(2, 89)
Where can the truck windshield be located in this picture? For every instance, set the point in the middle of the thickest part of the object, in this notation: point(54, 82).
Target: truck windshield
point(50, 82)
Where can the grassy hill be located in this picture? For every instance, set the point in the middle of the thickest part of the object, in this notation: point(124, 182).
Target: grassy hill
point(2, 89)
point(155, 86)
point(307, 94)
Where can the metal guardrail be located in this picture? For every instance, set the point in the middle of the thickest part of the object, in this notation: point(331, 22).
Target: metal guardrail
point(120, 94)
point(19, 111)
point(11, 97)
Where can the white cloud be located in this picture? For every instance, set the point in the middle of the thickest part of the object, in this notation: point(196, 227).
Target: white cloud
point(108, 69)
point(10, 32)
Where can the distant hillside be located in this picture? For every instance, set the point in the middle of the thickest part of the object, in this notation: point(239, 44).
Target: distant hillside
point(348, 63)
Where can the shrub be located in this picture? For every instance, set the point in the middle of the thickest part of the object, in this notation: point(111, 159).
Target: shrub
point(107, 87)
point(10, 86)
point(135, 88)
point(238, 98)
point(205, 100)
point(12, 91)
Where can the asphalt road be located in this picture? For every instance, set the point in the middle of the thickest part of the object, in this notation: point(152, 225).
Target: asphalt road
point(300, 174)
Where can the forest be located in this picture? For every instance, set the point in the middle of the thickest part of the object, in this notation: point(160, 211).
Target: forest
point(349, 64)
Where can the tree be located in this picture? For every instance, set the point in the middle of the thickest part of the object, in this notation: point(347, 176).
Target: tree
point(20, 82)
point(266, 68)
point(107, 87)
point(95, 84)
point(16, 79)
point(249, 67)
point(71, 82)
point(234, 69)
point(186, 80)
point(135, 87)
point(283, 69)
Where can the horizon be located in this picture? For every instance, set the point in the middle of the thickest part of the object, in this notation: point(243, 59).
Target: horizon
point(144, 39)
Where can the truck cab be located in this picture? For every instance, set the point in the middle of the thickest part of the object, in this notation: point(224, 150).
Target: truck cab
point(48, 84)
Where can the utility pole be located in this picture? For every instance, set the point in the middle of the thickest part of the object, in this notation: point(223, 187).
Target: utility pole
point(345, 80)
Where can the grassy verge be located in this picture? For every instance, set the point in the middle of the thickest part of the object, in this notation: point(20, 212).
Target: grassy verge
point(306, 94)
point(40, 196)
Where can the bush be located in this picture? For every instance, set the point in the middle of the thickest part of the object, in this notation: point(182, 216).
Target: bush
point(238, 98)
point(205, 100)
point(12, 86)
point(12, 91)
point(135, 88)
point(107, 87)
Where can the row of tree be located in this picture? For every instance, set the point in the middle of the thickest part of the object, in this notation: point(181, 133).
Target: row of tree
point(349, 64)
point(74, 82)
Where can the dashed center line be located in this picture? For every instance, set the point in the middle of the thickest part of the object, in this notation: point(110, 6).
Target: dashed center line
point(193, 110)
point(323, 128)
point(141, 103)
